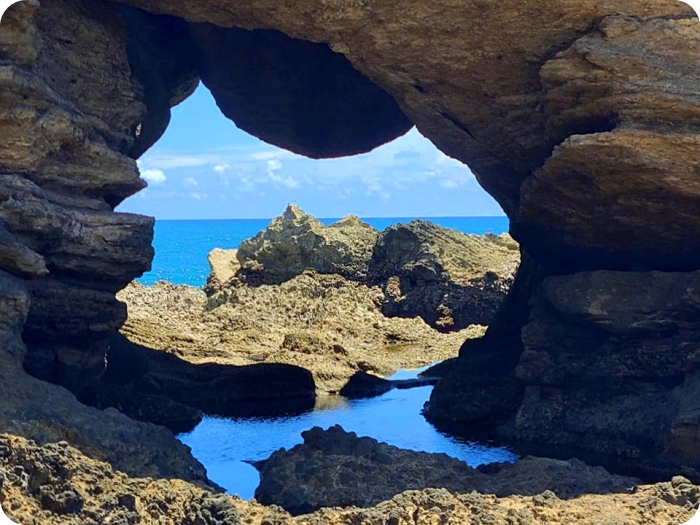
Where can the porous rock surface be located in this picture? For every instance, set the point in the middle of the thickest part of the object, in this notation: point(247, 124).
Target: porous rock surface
point(444, 276)
point(296, 242)
point(449, 279)
point(303, 322)
point(57, 485)
point(586, 132)
point(335, 468)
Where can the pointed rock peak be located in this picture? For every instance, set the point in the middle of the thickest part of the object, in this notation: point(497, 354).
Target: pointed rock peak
point(293, 212)
point(350, 221)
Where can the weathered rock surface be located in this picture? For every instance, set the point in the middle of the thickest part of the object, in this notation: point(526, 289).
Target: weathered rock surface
point(48, 413)
point(334, 468)
point(444, 276)
point(296, 242)
point(586, 132)
point(73, 116)
point(604, 355)
point(56, 485)
point(450, 279)
point(224, 266)
point(301, 322)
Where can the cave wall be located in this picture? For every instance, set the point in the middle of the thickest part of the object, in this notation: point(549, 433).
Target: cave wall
point(579, 116)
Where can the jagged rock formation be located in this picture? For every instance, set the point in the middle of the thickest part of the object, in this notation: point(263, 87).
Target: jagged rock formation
point(586, 133)
point(449, 279)
point(70, 114)
point(296, 242)
point(444, 276)
point(224, 266)
point(334, 468)
point(55, 485)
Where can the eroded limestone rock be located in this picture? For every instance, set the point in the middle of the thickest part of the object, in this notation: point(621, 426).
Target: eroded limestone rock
point(444, 276)
point(296, 242)
point(334, 468)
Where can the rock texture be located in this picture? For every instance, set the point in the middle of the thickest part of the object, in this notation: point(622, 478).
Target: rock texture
point(301, 322)
point(56, 485)
point(158, 387)
point(604, 355)
point(586, 132)
point(334, 468)
point(74, 115)
point(70, 114)
point(296, 242)
point(444, 276)
point(449, 279)
point(299, 95)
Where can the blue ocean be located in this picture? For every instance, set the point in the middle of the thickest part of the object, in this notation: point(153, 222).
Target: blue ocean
point(182, 246)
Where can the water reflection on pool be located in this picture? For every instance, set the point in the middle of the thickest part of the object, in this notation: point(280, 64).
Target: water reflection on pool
point(223, 445)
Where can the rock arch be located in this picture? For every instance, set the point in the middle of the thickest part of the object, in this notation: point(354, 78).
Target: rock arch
point(581, 118)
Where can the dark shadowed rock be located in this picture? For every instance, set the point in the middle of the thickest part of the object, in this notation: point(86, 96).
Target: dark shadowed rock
point(336, 468)
point(362, 384)
point(608, 364)
point(298, 95)
point(159, 387)
point(448, 278)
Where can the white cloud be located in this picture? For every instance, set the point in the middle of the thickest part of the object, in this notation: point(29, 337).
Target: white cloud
point(274, 154)
point(274, 165)
point(221, 168)
point(198, 196)
point(191, 182)
point(154, 176)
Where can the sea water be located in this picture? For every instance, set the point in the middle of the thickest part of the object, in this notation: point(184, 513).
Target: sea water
point(227, 446)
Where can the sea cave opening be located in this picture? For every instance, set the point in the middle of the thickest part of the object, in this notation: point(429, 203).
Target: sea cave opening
point(382, 295)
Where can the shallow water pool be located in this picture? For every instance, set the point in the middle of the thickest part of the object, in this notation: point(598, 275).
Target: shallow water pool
point(224, 445)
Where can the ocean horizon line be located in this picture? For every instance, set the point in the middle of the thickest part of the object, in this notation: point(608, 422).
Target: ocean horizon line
point(422, 217)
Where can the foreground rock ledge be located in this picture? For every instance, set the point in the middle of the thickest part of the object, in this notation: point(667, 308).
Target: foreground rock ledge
point(57, 485)
point(336, 468)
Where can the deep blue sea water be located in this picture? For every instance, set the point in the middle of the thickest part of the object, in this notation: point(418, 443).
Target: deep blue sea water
point(225, 445)
point(182, 246)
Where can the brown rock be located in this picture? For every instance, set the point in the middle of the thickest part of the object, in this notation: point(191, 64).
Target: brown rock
point(296, 242)
point(334, 468)
point(448, 278)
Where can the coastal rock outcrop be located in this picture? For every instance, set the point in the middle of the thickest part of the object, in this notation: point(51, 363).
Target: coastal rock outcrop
point(159, 387)
point(70, 110)
point(301, 322)
point(585, 131)
point(448, 278)
point(296, 242)
point(603, 355)
point(334, 468)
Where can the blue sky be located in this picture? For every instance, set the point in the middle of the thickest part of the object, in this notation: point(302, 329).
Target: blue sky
point(206, 168)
